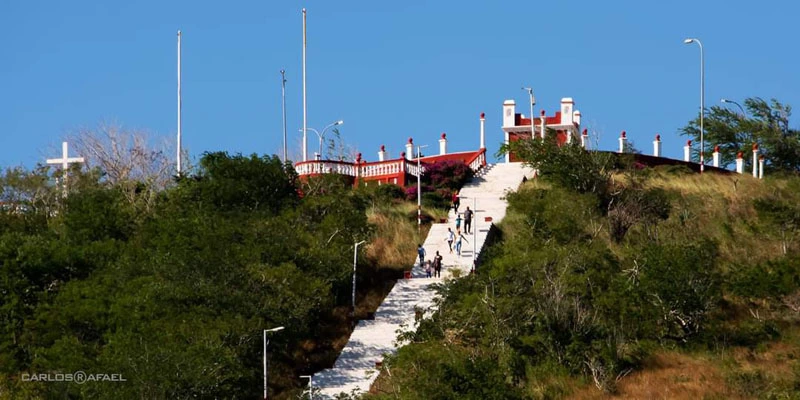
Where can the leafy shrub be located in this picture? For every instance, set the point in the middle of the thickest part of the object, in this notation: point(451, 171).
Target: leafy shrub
point(449, 174)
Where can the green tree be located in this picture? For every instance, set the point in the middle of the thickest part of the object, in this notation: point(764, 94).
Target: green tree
point(766, 125)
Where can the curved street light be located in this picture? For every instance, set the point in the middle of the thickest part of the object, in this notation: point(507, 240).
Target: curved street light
point(533, 102)
point(322, 135)
point(702, 98)
point(737, 105)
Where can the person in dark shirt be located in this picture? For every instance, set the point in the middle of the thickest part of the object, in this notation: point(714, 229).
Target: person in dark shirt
point(468, 220)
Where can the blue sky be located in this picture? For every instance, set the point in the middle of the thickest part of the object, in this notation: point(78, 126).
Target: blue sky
point(389, 69)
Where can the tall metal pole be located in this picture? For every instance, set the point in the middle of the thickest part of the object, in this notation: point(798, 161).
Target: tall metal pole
point(305, 113)
point(266, 363)
point(283, 104)
point(419, 187)
point(474, 233)
point(702, 99)
point(702, 107)
point(178, 157)
point(355, 261)
point(533, 102)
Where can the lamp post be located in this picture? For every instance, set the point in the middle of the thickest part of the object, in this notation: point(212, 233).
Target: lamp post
point(737, 105)
point(355, 261)
point(310, 385)
point(266, 365)
point(419, 187)
point(533, 102)
point(322, 135)
point(702, 98)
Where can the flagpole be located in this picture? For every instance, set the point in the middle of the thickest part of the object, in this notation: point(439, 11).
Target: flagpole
point(283, 105)
point(178, 157)
point(305, 113)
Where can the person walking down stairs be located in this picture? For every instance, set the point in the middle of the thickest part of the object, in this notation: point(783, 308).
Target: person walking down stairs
point(421, 254)
point(459, 238)
point(450, 238)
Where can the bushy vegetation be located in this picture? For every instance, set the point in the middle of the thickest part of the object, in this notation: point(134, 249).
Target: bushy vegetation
point(174, 296)
point(603, 264)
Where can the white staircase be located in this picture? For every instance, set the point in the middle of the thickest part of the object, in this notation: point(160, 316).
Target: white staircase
point(355, 369)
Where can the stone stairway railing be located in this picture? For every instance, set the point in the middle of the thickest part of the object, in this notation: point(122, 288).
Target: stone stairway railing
point(355, 370)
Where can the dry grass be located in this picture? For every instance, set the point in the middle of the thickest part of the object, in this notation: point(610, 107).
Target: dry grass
point(396, 239)
point(674, 375)
point(668, 376)
point(719, 207)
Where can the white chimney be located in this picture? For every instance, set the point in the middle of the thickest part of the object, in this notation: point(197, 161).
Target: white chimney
point(715, 156)
point(657, 146)
point(576, 117)
point(410, 149)
point(443, 144)
point(584, 139)
point(623, 141)
point(761, 167)
point(739, 163)
point(509, 110)
point(483, 131)
point(382, 153)
point(567, 106)
point(687, 151)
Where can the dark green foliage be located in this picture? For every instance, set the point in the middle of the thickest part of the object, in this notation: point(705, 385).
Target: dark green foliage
point(772, 279)
point(174, 297)
point(568, 165)
point(242, 183)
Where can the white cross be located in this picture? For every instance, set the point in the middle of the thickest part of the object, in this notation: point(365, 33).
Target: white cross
point(65, 161)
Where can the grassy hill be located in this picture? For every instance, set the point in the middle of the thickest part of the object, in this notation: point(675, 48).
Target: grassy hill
point(615, 280)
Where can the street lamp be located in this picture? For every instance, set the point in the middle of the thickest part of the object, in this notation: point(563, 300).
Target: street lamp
point(322, 135)
point(355, 261)
point(533, 102)
point(266, 365)
point(702, 98)
point(310, 386)
point(737, 105)
point(419, 186)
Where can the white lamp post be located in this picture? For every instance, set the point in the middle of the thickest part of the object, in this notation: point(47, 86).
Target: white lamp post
point(533, 102)
point(419, 186)
point(737, 105)
point(310, 385)
point(355, 261)
point(266, 365)
point(321, 136)
point(702, 99)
